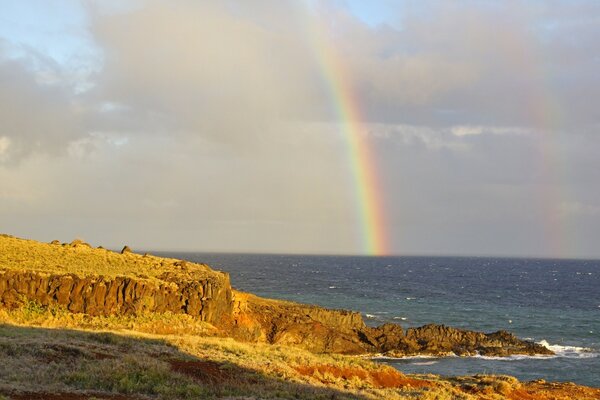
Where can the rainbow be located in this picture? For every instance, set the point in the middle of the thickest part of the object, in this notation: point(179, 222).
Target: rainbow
point(545, 113)
point(369, 199)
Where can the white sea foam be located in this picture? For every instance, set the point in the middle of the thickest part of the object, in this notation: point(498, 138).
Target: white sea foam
point(561, 351)
point(381, 357)
point(370, 316)
point(332, 287)
point(425, 363)
point(514, 357)
point(570, 351)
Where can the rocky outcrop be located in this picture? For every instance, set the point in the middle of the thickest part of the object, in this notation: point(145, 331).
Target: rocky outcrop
point(101, 282)
point(208, 299)
point(391, 340)
point(338, 331)
point(313, 328)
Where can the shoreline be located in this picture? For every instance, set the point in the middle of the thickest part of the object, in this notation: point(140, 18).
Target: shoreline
point(276, 327)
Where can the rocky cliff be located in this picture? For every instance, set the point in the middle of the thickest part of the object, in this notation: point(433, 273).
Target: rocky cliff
point(102, 282)
point(338, 331)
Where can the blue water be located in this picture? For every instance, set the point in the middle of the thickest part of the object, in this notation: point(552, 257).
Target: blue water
point(553, 300)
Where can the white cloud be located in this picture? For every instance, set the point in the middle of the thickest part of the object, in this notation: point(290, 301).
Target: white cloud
point(466, 130)
point(472, 130)
point(4, 145)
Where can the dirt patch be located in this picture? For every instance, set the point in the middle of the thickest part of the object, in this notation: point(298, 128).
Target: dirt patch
point(379, 378)
point(489, 387)
point(207, 371)
point(554, 391)
point(103, 356)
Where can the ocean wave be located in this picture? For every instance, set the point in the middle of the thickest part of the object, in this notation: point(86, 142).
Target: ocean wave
point(560, 351)
point(381, 357)
point(515, 357)
point(570, 351)
point(424, 363)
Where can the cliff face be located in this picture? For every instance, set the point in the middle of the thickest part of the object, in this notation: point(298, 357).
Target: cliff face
point(31, 271)
point(101, 282)
point(208, 299)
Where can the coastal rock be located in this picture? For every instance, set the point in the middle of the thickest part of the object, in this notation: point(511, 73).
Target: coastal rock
point(99, 282)
point(210, 300)
point(69, 276)
point(441, 340)
point(313, 328)
point(338, 331)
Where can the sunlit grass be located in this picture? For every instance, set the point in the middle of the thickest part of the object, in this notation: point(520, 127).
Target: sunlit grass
point(81, 259)
point(132, 355)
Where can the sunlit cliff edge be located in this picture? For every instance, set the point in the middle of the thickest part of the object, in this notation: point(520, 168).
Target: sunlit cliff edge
point(90, 322)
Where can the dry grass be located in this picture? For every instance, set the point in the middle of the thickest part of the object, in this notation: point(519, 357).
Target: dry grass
point(81, 259)
point(133, 357)
point(48, 352)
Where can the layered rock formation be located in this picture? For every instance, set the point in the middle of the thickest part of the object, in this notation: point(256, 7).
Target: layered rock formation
point(101, 282)
point(338, 331)
point(31, 271)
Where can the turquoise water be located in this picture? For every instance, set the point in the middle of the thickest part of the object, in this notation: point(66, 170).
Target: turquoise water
point(555, 301)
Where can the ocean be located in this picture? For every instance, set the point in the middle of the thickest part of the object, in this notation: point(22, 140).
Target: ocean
point(554, 302)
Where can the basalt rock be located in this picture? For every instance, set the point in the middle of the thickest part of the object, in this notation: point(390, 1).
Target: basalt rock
point(444, 340)
point(313, 328)
point(338, 331)
point(210, 300)
point(101, 282)
point(68, 276)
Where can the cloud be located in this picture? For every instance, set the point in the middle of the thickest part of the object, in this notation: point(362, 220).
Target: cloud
point(35, 115)
point(213, 125)
point(205, 69)
point(4, 145)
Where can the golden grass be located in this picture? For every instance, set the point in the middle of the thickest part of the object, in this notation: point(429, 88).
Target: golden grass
point(173, 356)
point(48, 350)
point(107, 356)
point(81, 259)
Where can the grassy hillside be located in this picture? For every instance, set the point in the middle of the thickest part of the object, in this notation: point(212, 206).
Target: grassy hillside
point(75, 356)
point(52, 351)
point(80, 258)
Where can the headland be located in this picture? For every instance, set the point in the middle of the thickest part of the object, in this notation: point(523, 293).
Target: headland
point(71, 304)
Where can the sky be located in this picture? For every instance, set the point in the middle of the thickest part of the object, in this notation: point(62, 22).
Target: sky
point(215, 125)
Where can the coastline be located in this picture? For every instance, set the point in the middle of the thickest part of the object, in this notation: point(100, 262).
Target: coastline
point(277, 327)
